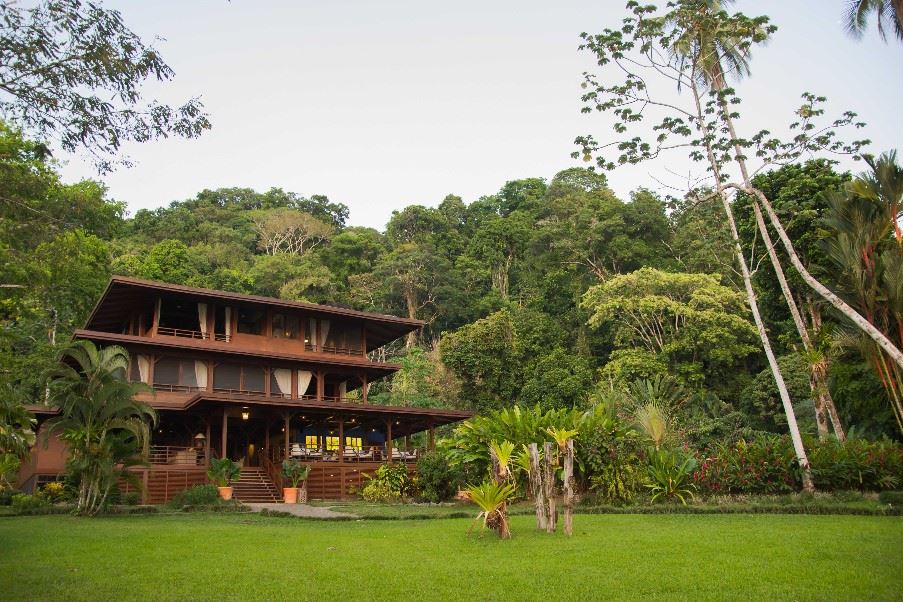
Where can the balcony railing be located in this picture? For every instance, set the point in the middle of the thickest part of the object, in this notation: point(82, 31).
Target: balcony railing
point(176, 455)
point(192, 334)
point(177, 388)
point(334, 350)
point(378, 453)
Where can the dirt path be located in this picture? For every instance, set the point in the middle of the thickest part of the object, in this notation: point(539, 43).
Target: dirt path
point(304, 510)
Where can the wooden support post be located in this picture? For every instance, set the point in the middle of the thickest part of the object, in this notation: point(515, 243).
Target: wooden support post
point(432, 443)
point(266, 439)
point(156, 323)
point(225, 430)
point(407, 443)
point(569, 488)
point(389, 440)
point(341, 441)
point(364, 387)
point(534, 480)
point(364, 340)
point(288, 423)
point(321, 385)
point(548, 484)
point(210, 376)
point(207, 445)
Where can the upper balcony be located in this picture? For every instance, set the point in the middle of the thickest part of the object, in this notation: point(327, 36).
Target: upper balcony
point(177, 314)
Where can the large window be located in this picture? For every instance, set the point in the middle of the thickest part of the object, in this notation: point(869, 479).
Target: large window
point(253, 378)
point(175, 371)
point(286, 326)
point(232, 377)
point(250, 320)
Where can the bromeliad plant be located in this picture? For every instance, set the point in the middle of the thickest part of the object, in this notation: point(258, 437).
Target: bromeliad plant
point(671, 475)
point(492, 498)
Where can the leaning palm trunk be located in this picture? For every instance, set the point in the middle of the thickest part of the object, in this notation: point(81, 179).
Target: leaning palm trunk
point(795, 436)
point(821, 395)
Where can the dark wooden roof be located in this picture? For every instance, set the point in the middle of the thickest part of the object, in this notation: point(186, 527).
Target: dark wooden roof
point(123, 294)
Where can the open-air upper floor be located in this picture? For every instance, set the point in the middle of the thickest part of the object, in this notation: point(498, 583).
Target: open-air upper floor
point(133, 310)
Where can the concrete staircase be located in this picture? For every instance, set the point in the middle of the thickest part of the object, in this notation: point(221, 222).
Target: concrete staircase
point(255, 486)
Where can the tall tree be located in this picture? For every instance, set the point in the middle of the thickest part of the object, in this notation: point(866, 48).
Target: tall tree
point(73, 71)
point(105, 429)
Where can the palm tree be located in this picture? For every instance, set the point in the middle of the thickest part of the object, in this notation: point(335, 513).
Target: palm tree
point(858, 12)
point(866, 244)
point(714, 39)
point(710, 45)
point(492, 498)
point(104, 427)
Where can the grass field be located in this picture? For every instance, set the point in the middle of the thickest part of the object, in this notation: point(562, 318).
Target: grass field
point(239, 556)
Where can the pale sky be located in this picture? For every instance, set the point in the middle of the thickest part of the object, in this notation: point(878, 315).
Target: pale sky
point(380, 105)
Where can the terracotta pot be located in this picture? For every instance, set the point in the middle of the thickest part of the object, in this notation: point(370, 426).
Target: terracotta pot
point(290, 495)
point(225, 492)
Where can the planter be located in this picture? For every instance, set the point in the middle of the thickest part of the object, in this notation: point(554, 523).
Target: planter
point(290, 495)
point(225, 492)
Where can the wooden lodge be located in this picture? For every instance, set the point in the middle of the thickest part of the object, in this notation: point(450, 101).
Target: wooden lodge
point(255, 379)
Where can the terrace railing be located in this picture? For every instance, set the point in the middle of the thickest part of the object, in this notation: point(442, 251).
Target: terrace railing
point(176, 455)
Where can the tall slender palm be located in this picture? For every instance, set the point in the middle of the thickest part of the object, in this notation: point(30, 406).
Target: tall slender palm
point(703, 38)
point(719, 46)
point(866, 244)
point(104, 427)
point(858, 13)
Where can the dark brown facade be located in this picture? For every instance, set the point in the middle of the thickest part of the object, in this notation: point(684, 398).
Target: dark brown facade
point(255, 379)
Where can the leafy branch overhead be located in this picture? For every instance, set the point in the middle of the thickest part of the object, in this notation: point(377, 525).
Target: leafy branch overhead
point(73, 71)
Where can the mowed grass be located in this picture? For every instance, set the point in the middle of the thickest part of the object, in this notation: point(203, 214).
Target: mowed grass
point(251, 557)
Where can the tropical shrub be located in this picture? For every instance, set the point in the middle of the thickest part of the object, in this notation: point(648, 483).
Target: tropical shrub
point(612, 460)
point(671, 475)
point(390, 483)
point(857, 464)
point(6, 496)
point(437, 480)
point(24, 503)
point(294, 472)
point(54, 492)
point(223, 471)
point(199, 495)
point(765, 464)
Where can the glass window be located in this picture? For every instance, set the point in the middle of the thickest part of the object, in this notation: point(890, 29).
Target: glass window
point(254, 378)
point(166, 371)
point(134, 370)
point(285, 326)
point(189, 376)
point(250, 321)
point(227, 376)
point(354, 442)
point(312, 442)
point(332, 443)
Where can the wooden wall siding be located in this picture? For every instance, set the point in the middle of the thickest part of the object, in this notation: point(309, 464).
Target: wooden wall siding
point(159, 484)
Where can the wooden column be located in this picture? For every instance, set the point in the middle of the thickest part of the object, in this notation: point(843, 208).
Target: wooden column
point(156, 322)
point(207, 446)
point(341, 441)
point(389, 441)
point(295, 384)
point(321, 385)
point(210, 376)
point(225, 430)
point(266, 439)
point(432, 443)
point(407, 443)
point(364, 387)
point(364, 340)
point(288, 419)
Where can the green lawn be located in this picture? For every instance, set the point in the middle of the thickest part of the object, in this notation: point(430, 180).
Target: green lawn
point(240, 556)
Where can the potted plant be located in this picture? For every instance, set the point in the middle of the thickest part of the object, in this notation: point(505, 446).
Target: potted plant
point(294, 472)
point(222, 472)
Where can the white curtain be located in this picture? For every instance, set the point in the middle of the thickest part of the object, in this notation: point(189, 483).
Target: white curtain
point(157, 312)
point(200, 373)
point(143, 368)
point(312, 333)
point(324, 331)
point(304, 377)
point(343, 389)
point(202, 318)
point(228, 324)
point(283, 378)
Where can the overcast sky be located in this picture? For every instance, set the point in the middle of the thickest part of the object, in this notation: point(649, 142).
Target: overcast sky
point(380, 105)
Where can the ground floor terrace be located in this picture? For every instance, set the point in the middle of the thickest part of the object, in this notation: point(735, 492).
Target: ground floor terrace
point(342, 443)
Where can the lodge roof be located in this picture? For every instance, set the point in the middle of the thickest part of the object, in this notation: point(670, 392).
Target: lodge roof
point(123, 293)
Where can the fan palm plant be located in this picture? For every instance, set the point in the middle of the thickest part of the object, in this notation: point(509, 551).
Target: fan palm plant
point(104, 427)
point(859, 11)
point(492, 498)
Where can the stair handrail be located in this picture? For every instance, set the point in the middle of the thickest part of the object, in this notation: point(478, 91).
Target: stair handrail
point(271, 470)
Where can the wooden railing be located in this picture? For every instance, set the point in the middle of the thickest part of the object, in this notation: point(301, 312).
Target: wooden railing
point(176, 388)
point(332, 349)
point(181, 332)
point(176, 455)
point(366, 454)
point(272, 469)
